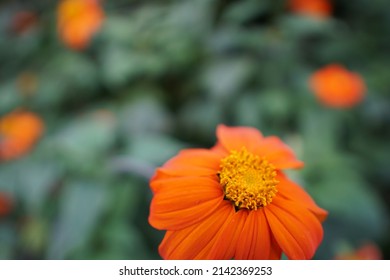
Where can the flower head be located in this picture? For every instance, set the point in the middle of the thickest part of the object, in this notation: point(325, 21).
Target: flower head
point(78, 21)
point(315, 8)
point(234, 201)
point(337, 87)
point(19, 130)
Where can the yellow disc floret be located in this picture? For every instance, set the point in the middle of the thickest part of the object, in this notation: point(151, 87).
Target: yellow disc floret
point(248, 180)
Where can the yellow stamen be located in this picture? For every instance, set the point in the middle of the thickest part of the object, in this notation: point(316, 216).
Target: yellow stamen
point(248, 180)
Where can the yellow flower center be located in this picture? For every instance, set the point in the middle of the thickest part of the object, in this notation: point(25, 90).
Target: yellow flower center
point(247, 180)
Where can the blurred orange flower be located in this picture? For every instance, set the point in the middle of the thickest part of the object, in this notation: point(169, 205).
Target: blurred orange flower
point(19, 130)
point(78, 21)
point(367, 251)
point(316, 8)
point(335, 86)
point(234, 201)
point(5, 205)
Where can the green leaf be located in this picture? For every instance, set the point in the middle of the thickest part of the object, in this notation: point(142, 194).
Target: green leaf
point(85, 140)
point(143, 113)
point(8, 241)
point(153, 148)
point(243, 11)
point(35, 181)
point(81, 206)
point(224, 78)
point(353, 205)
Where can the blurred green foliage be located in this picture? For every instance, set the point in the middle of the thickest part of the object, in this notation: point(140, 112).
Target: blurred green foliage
point(158, 77)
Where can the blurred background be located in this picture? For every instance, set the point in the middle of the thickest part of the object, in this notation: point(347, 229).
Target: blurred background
point(94, 95)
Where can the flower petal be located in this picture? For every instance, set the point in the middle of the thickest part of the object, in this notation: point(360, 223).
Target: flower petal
point(255, 239)
point(284, 238)
point(163, 174)
point(234, 138)
point(292, 191)
point(227, 240)
point(301, 214)
point(190, 162)
point(195, 157)
point(276, 251)
point(278, 153)
point(189, 242)
point(219, 149)
point(184, 201)
point(263, 244)
point(297, 231)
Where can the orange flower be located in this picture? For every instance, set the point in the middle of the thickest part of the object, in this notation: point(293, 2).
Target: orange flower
point(335, 86)
point(5, 205)
point(78, 21)
point(19, 130)
point(234, 201)
point(368, 251)
point(316, 8)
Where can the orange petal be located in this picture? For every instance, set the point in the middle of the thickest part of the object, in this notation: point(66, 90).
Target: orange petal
point(292, 191)
point(187, 243)
point(276, 251)
point(255, 240)
point(183, 202)
point(278, 153)
point(284, 238)
point(336, 86)
point(19, 131)
point(195, 157)
point(307, 218)
point(191, 162)
point(162, 175)
point(263, 247)
point(207, 253)
point(234, 138)
point(78, 21)
point(297, 231)
point(227, 240)
point(219, 149)
point(316, 8)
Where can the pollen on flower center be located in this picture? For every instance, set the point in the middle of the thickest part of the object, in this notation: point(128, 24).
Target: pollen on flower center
point(248, 180)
